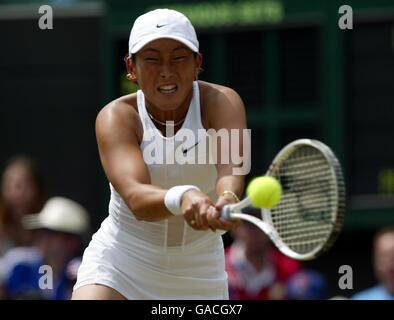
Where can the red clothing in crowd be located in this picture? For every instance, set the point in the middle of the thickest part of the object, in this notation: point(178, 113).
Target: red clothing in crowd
point(246, 283)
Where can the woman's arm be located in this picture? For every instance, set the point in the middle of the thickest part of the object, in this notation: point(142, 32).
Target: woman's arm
point(118, 131)
point(226, 111)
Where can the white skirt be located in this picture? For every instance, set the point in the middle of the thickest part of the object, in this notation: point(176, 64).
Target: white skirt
point(145, 271)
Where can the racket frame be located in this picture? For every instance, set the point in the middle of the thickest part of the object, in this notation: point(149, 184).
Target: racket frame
point(233, 211)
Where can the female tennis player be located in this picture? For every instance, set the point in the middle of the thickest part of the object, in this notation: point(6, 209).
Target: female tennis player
point(160, 240)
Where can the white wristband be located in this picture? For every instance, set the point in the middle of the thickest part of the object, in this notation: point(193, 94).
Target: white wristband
point(172, 199)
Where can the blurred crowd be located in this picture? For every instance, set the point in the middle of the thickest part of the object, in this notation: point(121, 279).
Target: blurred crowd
point(383, 264)
point(41, 242)
point(40, 237)
point(258, 271)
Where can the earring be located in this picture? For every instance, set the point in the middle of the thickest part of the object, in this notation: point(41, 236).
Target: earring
point(197, 74)
point(129, 76)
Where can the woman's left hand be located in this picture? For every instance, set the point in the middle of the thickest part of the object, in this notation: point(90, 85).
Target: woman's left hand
point(214, 215)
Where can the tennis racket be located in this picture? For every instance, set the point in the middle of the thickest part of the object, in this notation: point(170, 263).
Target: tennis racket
point(308, 218)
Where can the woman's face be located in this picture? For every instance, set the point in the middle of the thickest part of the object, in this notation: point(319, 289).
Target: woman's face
point(165, 70)
point(18, 189)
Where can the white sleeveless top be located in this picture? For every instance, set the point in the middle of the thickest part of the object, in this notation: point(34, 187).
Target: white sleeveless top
point(166, 172)
point(165, 259)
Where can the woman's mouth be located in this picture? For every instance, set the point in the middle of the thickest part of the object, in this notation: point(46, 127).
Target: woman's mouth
point(168, 89)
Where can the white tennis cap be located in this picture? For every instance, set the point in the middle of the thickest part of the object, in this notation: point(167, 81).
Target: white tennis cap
point(162, 23)
point(59, 214)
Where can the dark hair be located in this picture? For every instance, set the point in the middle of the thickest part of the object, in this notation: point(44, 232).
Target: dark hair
point(32, 166)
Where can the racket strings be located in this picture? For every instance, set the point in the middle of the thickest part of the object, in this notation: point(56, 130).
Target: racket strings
point(304, 217)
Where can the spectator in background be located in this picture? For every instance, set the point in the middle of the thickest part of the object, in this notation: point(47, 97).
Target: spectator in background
point(307, 285)
point(383, 261)
point(58, 232)
point(22, 192)
point(256, 270)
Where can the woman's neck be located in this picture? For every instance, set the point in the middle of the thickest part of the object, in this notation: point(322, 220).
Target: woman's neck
point(174, 117)
point(168, 121)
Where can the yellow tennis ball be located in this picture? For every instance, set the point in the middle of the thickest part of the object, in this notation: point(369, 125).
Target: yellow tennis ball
point(264, 192)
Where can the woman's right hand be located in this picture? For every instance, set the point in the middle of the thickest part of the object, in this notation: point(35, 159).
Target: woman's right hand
point(195, 206)
point(201, 214)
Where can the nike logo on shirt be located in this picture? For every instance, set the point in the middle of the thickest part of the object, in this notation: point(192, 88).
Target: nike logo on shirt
point(188, 149)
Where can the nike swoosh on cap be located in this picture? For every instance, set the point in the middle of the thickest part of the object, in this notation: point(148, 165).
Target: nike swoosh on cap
point(160, 25)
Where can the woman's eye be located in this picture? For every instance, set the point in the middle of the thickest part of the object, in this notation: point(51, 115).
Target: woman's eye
point(151, 59)
point(180, 58)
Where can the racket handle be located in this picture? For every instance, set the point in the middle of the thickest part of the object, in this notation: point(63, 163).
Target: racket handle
point(226, 211)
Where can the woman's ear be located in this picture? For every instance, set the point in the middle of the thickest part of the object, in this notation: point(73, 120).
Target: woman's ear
point(198, 65)
point(130, 67)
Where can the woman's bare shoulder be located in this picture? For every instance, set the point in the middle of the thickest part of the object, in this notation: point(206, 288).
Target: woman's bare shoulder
point(121, 113)
point(119, 107)
point(211, 91)
point(216, 98)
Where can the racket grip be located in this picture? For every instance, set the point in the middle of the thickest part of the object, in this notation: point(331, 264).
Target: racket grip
point(228, 209)
point(226, 212)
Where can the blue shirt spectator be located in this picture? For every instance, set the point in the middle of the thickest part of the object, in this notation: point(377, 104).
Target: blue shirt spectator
point(383, 262)
point(377, 292)
point(307, 285)
point(26, 278)
point(51, 271)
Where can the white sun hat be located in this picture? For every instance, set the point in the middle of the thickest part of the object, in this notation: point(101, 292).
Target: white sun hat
point(59, 214)
point(162, 23)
